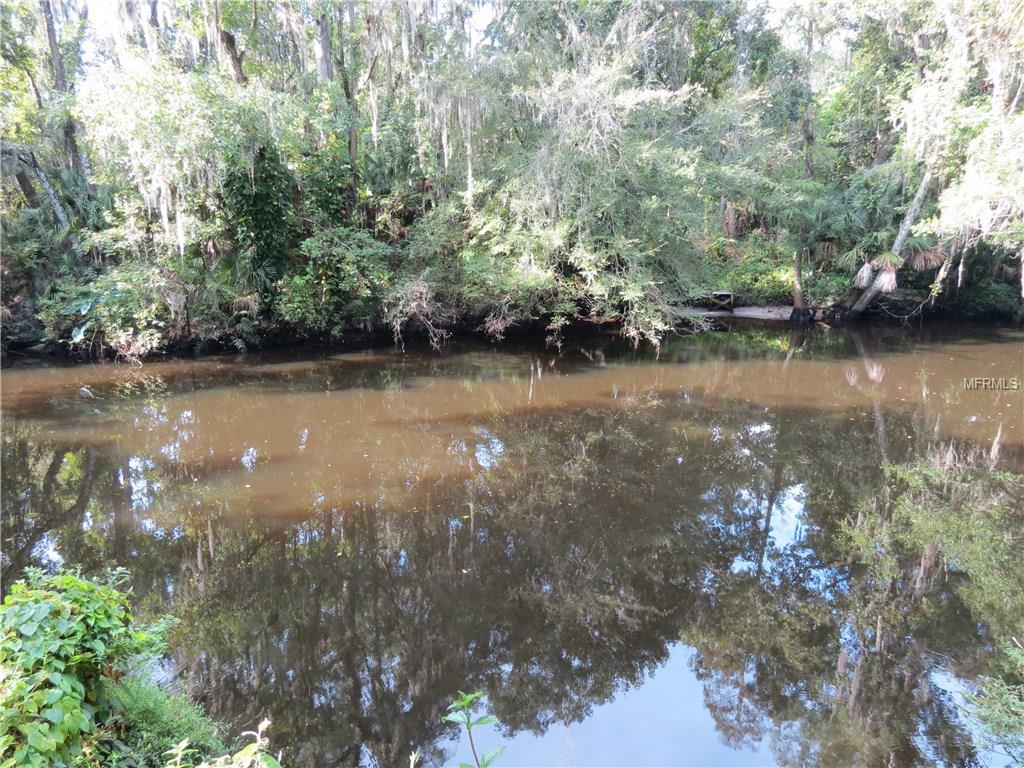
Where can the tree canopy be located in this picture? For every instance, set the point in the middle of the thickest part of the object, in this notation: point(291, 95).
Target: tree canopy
point(216, 172)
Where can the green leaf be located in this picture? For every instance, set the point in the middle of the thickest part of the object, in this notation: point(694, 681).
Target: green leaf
point(459, 718)
point(41, 742)
point(42, 611)
point(247, 752)
point(52, 695)
point(487, 758)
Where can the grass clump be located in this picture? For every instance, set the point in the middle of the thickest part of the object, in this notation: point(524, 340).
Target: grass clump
point(155, 721)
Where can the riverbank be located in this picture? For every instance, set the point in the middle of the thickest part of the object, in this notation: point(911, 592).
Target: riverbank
point(697, 319)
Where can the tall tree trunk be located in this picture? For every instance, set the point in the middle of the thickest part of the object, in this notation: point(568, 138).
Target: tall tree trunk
point(25, 183)
point(60, 83)
point(349, 71)
point(35, 87)
point(51, 195)
point(71, 142)
point(798, 279)
point(469, 158)
point(808, 131)
point(875, 288)
point(808, 122)
point(296, 33)
point(801, 313)
point(324, 68)
point(227, 41)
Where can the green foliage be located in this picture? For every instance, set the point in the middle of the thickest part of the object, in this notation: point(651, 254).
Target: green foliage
point(824, 287)
point(757, 272)
point(326, 176)
point(986, 293)
point(65, 644)
point(252, 755)
point(1000, 704)
point(257, 208)
point(126, 309)
point(346, 277)
point(460, 712)
point(856, 118)
point(713, 37)
point(151, 721)
point(61, 640)
point(573, 161)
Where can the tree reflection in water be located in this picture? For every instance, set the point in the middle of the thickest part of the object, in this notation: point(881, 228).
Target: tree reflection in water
point(551, 554)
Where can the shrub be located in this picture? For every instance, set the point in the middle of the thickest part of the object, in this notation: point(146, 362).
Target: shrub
point(761, 272)
point(346, 276)
point(62, 640)
point(985, 297)
point(823, 287)
point(126, 309)
point(325, 179)
point(65, 643)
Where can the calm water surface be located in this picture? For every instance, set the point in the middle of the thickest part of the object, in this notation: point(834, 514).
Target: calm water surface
point(640, 560)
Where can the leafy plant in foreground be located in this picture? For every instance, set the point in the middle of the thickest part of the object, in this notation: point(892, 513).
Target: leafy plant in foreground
point(62, 640)
point(460, 712)
point(252, 755)
point(65, 644)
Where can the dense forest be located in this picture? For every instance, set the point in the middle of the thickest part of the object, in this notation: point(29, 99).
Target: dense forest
point(204, 173)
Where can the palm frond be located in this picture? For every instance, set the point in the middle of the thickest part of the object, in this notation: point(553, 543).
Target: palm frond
point(930, 258)
point(864, 276)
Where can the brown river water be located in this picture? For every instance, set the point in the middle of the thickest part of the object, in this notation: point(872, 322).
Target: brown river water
point(640, 559)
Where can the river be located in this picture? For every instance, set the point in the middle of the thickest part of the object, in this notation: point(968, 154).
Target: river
point(641, 559)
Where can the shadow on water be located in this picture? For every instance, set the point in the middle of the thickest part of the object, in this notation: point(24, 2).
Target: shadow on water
point(350, 539)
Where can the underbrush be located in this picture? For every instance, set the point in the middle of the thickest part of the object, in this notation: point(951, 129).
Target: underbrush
point(66, 644)
point(125, 310)
point(760, 271)
point(152, 722)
